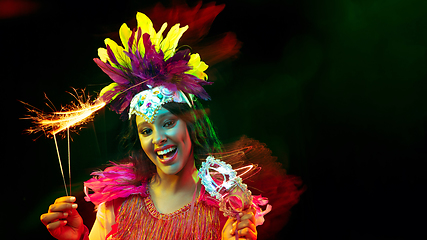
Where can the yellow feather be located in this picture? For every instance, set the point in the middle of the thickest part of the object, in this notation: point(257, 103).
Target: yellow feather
point(170, 43)
point(121, 57)
point(197, 66)
point(102, 53)
point(145, 24)
point(108, 88)
point(125, 34)
point(158, 38)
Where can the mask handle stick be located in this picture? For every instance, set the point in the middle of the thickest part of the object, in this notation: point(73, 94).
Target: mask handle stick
point(236, 233)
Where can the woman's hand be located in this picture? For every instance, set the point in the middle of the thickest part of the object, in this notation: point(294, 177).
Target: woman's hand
point(62, 220)
point(246, 227)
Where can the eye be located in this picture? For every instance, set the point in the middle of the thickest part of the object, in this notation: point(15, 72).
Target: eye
point(169, 123)
point(145, 131)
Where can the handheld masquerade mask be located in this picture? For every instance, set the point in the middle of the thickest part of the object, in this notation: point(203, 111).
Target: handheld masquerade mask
point(222, 182)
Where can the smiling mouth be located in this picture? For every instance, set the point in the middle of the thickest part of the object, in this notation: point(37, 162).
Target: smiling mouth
point(167, 153)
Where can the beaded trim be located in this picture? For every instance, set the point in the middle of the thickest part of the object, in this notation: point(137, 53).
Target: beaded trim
point(147, 103)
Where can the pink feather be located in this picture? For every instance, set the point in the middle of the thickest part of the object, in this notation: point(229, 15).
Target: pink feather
point(118, 182)
point(112, 183)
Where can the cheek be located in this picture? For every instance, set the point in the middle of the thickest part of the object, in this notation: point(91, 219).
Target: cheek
point(183, 135)
point(145, 144)
point(186, 140)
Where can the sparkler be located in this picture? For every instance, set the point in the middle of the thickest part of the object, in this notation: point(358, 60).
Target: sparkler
point(70, 117)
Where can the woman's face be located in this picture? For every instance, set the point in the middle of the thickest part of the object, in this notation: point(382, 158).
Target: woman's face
point(166, 142)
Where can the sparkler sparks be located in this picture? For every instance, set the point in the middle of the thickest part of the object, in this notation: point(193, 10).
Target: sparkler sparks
point(70, 116)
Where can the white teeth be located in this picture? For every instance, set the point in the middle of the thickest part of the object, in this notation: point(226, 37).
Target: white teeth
point(163, 152)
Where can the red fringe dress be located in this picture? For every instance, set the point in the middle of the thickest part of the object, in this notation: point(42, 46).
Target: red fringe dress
point(125, 210)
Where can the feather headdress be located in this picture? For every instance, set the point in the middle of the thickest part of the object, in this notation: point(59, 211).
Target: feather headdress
point(147, 60)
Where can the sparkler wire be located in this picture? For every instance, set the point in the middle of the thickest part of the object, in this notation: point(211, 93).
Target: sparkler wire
point(70, 116)
point(69, 157)
point(60, 164)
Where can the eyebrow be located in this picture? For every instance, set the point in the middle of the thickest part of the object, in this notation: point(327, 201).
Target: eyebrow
point(163, 115)
point(158, 116)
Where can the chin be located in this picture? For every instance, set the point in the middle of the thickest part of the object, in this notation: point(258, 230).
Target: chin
point(173, 168)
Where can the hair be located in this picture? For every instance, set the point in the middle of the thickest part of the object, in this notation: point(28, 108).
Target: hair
point(202, 134)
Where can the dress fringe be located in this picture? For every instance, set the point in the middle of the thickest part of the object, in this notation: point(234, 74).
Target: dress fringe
point(139, 219)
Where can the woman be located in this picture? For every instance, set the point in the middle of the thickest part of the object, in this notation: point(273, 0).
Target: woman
point(158, 194)
point(168, 144)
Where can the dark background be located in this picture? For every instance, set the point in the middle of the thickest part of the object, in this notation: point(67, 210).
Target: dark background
point(335, 88)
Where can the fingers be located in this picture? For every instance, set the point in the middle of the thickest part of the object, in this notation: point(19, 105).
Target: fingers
point(62, 207)
point(68, 199)
point(227, 229)
point(247, 220)
point(243, 226)
point(246, 226)
point(247, 233)
point(60, 210)
point(54, 225)
point(52, 217)
point(63, 204)
point(62, 219)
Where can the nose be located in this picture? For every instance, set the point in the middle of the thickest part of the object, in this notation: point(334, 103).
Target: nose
point(159, 138)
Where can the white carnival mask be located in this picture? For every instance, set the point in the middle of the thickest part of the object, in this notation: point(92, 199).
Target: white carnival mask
point(222, 183)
